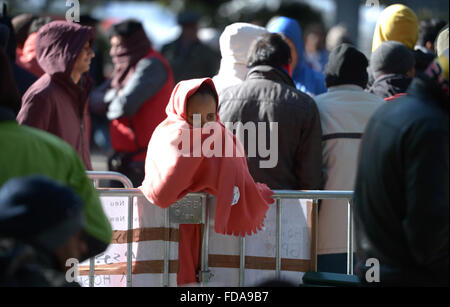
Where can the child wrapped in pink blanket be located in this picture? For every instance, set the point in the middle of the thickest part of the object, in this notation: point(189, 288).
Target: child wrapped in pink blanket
point(192, 151)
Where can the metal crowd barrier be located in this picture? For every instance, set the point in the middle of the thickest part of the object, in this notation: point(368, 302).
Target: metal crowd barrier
point(190, 218)
point(96, 177)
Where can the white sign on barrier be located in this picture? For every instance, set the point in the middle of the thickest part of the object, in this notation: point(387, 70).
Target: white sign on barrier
point(116, 209)
point(295, 246)
point(148, 246)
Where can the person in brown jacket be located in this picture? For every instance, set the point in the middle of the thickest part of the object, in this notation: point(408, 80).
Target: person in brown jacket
point(58, 101)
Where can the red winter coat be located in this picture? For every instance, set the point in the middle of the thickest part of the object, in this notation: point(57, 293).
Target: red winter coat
point(132, 134)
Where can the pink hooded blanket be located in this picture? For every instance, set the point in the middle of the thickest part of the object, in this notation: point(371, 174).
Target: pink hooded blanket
point(182, 159)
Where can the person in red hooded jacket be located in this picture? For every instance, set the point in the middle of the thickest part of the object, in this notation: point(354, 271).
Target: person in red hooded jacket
point(192, 151)
point(58, 101)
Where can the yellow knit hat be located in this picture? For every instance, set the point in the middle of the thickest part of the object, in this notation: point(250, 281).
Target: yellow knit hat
point(396, 23)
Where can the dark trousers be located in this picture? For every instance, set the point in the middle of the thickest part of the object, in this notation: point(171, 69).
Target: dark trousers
point(333, 263)
point(122, 163)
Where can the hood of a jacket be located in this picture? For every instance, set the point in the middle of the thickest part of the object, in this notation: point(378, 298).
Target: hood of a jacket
point(29, 48)
point(236, 40)
point(389, 85)
point(291, 29)
point(235, 43)
point(177, 108)
point(58, 45)
point(126, 55)
point(306, 79)
point(26, 57)
point(396, 23)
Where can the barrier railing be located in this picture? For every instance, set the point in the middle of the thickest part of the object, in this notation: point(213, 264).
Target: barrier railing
point(204, 273)
point(114, 176)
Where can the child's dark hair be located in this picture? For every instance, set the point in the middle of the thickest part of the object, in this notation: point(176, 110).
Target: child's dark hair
point(206, 89)
point(126, 28)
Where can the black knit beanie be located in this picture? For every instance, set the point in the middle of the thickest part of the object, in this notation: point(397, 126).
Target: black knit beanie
point(346, 65)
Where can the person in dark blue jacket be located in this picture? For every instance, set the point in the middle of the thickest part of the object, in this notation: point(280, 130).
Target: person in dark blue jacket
point(401, 194)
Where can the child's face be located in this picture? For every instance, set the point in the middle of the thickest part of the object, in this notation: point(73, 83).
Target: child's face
point(204, 105)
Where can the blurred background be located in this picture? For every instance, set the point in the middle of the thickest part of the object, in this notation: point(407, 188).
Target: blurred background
point(159, 16)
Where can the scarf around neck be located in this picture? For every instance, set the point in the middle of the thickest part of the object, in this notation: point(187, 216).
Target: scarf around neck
point(126, 55)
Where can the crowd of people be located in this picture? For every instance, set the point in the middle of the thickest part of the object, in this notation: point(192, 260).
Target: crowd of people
point(340, 121)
